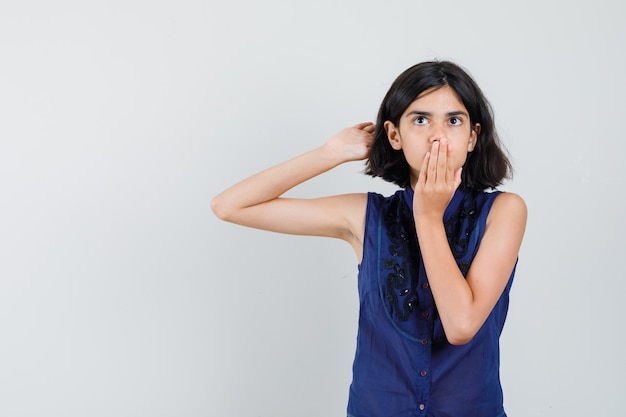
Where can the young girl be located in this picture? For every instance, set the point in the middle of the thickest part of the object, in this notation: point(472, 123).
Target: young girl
point(436, 259)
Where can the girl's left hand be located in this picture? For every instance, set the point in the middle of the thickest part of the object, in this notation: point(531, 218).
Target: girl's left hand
point(437, 182)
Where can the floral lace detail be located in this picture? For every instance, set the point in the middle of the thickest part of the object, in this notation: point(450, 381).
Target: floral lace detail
point(459, 228)
point(402, 265)
point(402, 262)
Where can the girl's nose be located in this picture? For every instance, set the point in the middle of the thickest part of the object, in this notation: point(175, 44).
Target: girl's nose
point(437, 134)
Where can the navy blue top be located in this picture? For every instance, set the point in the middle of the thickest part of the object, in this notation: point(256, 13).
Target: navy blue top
point(403, 365)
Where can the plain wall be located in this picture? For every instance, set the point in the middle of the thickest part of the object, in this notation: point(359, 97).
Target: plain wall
point(122, 295)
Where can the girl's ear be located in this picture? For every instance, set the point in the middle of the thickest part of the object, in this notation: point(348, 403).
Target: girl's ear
point(393, 135)
point(473, 137)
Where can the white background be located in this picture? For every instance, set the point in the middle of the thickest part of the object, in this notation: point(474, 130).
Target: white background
point(122, 295)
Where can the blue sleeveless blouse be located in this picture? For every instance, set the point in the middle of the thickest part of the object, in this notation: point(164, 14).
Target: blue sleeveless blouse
point(404, 366)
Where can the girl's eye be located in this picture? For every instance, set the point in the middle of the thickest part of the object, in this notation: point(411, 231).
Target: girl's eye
point(420, 120)
point(455, 121)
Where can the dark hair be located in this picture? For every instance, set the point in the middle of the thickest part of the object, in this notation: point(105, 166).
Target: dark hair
point(486, 166)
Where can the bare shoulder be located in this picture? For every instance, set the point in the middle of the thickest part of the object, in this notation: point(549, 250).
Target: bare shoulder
point(509, 211)
point(510, 203)
point(500, 245)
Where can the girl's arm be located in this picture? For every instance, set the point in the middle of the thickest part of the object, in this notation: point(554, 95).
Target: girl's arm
point(464, 303)
point(255, 202)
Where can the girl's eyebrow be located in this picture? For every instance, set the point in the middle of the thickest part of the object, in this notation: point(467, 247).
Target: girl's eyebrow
point(429, 114)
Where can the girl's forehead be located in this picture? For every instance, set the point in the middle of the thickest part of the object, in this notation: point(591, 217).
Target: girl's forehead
point(438, 97)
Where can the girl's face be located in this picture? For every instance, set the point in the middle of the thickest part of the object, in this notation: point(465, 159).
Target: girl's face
point(435, 115)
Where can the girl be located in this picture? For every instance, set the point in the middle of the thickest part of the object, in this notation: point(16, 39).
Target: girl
point(436, 259)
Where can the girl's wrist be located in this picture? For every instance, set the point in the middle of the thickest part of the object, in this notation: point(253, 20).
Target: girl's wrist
point(331, 154)
point(428, 222)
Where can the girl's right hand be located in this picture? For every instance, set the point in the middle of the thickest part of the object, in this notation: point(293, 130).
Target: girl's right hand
point(352, 143)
